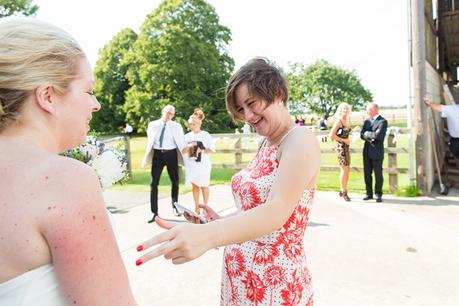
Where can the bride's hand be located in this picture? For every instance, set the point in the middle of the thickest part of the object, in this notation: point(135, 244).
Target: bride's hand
point(180, 243)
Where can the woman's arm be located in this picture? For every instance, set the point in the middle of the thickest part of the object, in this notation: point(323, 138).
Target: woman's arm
point(84, 251)
point(298, 169)
point(333, 135)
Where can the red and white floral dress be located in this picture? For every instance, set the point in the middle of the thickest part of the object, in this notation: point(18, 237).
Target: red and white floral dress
point(270, 270)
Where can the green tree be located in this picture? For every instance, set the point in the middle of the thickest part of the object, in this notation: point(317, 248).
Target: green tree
point(17, 7)
point(180, 58)
point(320, 87)
point(111, 82)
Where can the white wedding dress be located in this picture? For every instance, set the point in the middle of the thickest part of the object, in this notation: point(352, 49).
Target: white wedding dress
point(38, 287)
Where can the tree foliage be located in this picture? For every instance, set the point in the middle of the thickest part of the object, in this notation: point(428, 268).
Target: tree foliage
point(322, 86)
point(17, 7)
point(111, 82)
point(179, 58)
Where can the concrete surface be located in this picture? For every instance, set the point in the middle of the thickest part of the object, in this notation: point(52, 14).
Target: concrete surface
point(404, 251)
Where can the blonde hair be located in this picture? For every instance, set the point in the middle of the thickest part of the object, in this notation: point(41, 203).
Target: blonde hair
point(197, 116)
point(33, 53)
point(340, 108)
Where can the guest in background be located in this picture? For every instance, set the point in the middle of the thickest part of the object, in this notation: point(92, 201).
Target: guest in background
point(198, 168)
point(340, 133)
point(164, 146)
point(373, 133)
point(451, 113)
point(129, 130)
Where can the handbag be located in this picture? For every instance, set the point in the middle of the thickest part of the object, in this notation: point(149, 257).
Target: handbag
point(340, 132)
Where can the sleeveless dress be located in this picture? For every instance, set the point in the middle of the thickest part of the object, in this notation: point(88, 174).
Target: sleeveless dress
point(342, 149)
point(270, 270)
point(196, 172)
point(38, 287)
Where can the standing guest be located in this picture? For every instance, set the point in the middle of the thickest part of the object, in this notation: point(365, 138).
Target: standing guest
point(129, 130)
point(198, 168)
point(57, 246)
point(451, 113)
point(264, 258)
point(164, 146)
point(340, 133)
point(373, 133)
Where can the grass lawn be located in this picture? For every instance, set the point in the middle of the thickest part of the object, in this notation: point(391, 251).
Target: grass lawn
point(327, 180)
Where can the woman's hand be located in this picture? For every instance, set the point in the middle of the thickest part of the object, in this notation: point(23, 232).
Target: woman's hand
point(180, 243)
point(209, 213)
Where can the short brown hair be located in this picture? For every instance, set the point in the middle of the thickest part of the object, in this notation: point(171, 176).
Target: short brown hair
point(263, 79)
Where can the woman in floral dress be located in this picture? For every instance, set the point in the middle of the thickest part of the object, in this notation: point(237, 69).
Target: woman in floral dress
point(264, 258)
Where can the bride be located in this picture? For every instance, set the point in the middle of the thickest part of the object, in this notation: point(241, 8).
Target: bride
point(56, 243)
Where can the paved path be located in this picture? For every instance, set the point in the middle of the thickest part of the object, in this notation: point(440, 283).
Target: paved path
point(401, 252)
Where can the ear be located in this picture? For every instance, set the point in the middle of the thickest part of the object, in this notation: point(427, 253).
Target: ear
point(43, 95)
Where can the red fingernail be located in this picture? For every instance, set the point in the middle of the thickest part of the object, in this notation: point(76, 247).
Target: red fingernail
point(139, 248)
point(138, 262)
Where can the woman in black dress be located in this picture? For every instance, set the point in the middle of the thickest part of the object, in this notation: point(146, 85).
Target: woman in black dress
point(340, 133)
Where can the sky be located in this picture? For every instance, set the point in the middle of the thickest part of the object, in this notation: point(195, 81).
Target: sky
point(369, 37)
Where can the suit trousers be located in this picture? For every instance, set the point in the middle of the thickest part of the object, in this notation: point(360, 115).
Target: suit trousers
point(369, 166)
point(161, 159)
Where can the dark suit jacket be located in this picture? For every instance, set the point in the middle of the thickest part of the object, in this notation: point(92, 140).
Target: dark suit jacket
point(374, 138)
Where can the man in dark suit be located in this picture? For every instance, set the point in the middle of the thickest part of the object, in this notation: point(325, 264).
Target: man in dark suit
point(373, 133)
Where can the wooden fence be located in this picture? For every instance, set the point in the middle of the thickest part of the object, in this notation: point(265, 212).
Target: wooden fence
point(391, 150)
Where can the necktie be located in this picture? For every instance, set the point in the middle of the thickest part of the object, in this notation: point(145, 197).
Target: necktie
point(161, 136)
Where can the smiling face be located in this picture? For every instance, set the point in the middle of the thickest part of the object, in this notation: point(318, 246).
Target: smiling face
point(194, 125)
point(168, 113)
point(265, 119)
point(74, 109)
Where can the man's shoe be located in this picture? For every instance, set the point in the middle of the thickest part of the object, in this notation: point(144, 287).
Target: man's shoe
point(153, 218)
point(378, 199)
point(368, 197)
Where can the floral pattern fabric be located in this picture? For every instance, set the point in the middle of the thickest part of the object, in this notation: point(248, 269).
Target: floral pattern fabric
point(270, 270)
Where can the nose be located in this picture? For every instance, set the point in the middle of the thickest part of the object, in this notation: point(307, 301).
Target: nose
point(248, 114)
point(96, 106)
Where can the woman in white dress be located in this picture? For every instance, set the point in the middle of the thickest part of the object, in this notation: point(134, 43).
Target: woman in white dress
point(57, 246)
point(197, 160)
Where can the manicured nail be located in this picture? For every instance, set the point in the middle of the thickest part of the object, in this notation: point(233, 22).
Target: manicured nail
point(138, 262)
point(139, 248)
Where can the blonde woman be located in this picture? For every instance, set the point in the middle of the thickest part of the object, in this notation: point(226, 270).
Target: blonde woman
point(198, 165)
point(340, 133)
point(57, 246)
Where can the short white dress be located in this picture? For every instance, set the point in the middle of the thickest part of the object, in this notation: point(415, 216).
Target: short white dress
point(198, 173)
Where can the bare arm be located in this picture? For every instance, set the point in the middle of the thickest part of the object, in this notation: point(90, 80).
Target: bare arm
point(429, 103)
point(83, 247)
point(298, 168)
point(333, 135)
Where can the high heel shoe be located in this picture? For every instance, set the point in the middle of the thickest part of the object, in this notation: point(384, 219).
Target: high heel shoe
point(346, 197)
point(153, 218)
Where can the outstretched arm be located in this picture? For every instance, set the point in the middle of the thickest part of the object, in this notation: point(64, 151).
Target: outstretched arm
point(298, 169)
point(429, 103)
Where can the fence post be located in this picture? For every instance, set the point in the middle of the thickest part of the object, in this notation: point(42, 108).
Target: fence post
point(127, 149)
point(238, 153)
point(392, 164)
